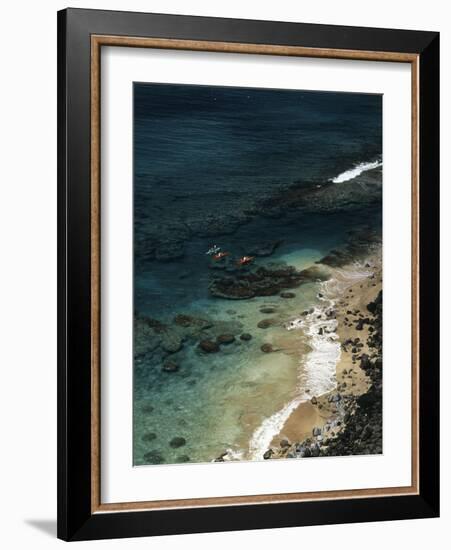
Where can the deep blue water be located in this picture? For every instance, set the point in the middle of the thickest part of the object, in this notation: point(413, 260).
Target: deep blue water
point(211, 153)
point(190, 138)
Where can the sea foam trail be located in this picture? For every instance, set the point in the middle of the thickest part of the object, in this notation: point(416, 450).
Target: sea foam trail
point(316, 373)
point(356, 171)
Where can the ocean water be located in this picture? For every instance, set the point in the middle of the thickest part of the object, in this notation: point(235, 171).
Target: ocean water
point(207, 162)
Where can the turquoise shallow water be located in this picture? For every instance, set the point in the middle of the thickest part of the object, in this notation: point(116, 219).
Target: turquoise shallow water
point(217, 401)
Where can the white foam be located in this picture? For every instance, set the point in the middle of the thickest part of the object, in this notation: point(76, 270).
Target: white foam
point(319, 367)
point(269, 428)
point(316, 372)
point(231, 455)
point(356, 171)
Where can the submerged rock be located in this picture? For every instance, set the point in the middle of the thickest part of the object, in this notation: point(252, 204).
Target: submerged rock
point(209, 346)
point(171, 341)
point(241, 284)
point(231, 326)
point(154, 457)
point(146, 335)
point(357, 246)
point(267, 309)
point(230, 292)
point(225, 339)
point(287, 295)
point(150, 436)
point(170, 366)
point(186, 321)
point(267, 348)
point(182, 458)
point(177, 442)
point(266, 323)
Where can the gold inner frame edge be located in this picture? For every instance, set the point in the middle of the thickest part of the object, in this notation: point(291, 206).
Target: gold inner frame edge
point(97, 41)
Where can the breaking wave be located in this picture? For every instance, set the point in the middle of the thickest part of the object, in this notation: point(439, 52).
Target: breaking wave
point(356, 171)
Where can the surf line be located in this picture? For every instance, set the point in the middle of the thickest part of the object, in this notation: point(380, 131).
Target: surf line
point(317, 372)
point(356, 171)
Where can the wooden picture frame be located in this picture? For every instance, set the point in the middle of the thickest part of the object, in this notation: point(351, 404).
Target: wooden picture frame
point(81, 35)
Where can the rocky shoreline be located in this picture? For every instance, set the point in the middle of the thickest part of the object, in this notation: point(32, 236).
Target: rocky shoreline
point(347, 420)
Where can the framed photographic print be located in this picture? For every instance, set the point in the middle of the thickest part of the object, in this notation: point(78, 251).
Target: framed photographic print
point(248, 274)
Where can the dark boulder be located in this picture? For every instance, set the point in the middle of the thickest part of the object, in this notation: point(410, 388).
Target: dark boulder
point(253, 281)
point(267, 348)
point(209, 346)
point(149, 436)
point(306, 452)
point(366, 432)
point(171, 341)
point(266, 323)
point(287, 295)
point(177, 442)
point(154, 457)
point(182, 458)
point(170, 366)
point(225, 339)
point(365, 362)
point(315, 450)
point(335, 398)
point(186, 321)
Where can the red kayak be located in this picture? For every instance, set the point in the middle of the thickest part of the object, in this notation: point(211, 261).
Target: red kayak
point(245, 260)
point(220, 255)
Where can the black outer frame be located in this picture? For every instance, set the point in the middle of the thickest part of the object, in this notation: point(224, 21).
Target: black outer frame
point(75, 520)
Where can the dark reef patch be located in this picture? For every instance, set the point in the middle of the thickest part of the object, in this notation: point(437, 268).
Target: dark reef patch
point(267, 280)
point(358, 245)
